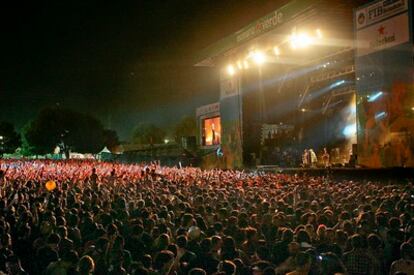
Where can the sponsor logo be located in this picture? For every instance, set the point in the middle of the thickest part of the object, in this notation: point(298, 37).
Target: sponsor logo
point(380, 11)
point(361, 18)
point(382, 39)
point(267, 23)
point(389, 33)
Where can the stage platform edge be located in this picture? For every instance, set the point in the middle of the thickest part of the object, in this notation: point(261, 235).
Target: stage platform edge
point(396, 173)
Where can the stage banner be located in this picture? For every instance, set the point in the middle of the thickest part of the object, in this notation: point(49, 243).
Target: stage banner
point(230, 111)
point(384, 84)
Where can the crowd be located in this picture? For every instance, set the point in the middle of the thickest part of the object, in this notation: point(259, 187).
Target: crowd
point(106, 218)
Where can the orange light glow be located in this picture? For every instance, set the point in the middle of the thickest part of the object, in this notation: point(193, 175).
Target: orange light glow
point(211, 131)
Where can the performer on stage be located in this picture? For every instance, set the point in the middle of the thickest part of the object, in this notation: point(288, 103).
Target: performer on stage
point(325, 157)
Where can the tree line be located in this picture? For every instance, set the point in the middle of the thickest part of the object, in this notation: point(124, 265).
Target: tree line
point(79, 132)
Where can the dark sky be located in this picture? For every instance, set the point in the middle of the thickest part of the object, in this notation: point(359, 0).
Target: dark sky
point(123, 61)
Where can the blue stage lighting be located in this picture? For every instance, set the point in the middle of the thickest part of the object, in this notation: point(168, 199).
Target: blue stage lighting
point(380, 115)
point(338, 83)
point(350, 130)
point(375, 96)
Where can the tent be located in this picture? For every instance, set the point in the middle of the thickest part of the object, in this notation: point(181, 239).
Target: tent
point(104, 154)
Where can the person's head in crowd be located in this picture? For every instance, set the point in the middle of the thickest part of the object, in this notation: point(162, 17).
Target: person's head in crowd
point(197, 271)
point(302, 262)
point(259, 267)
point(228, 267)
point(394, 223)
point(341, 237)
point(164, 261)
point(13, 265)
point(147, 261)
point(163, 242)
point(86, 265)
point(374, 241)
point(206, 245)
point(321, 232)
point(407, 251)
point(348, 228)
point(358, 242)
point(287, 235)
point(46, 255)
point(228, 244)
point(302, 236)
point(331, 264)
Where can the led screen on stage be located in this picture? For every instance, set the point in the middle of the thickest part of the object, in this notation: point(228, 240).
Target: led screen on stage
point(211, 131)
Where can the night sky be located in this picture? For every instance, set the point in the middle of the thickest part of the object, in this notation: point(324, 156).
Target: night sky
point(125, 62)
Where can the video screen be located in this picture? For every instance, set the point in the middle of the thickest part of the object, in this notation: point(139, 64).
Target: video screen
point(211, 131)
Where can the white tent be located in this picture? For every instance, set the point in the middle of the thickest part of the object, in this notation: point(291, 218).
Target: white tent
point(104, 154)
point(105, 150)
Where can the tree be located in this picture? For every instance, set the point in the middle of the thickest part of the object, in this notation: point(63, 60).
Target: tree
point(9, 138)
point(69, 129)
point(147, 133)
point(185, 128)
point(111, 139)
point(27, 149)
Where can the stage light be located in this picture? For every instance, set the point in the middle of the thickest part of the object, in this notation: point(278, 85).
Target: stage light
point(380, 115)
point(239, 65)
point(293, 40)
point(245, 64)
point(412, 108)
point(338, 83)
point(372, 98)
point(303, 110)
point(230, 70)
point(350, 130)
point(301, 40)
point(258, 57)
point(319, 33)
point(276, 50)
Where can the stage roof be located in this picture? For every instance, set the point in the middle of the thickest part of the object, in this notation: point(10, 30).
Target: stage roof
point(335, 15)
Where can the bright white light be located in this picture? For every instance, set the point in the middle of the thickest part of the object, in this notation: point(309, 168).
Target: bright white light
point(239, 65)
point(353, 109)
point(412, 108)
point(375, 96)
point(230, 70)
point(303, 110)
point(276, 50)
point(166, 141)
point(350, 130)
point(301, 40)
point(319, 33)
point(258, 57)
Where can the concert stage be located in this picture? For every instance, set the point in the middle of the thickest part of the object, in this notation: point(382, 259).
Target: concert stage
point(383, 174)
point(315, 74)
